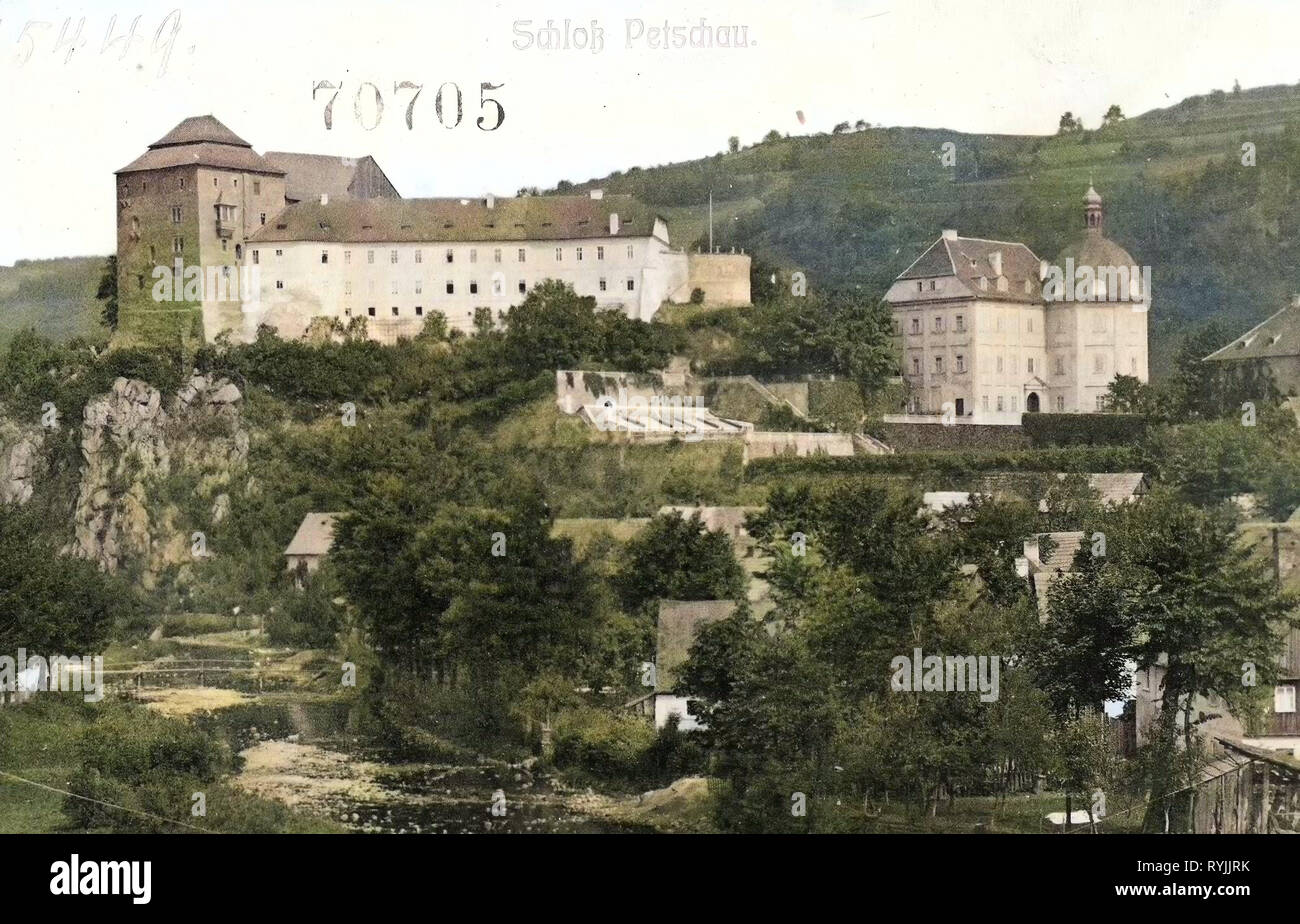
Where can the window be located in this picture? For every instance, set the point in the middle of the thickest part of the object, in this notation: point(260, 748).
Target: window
point(498, 284)
point(920, 286)
point(1060, 404)
point(324, 256)
point(182, 182)
point(279, 253)
point(916, 325)
point(600, 253)
point(938, 364)
point(602, 283)
point(1097, 363)
point(257, 257)
point(392, 287)
point(1013, 402)
point(1031, 325)
point(370, 256)
point(371, 311)
point(985, 402)
point(419, 287)
point(559, 254)
point(451, 288)
point(473, 255)
point(1029, 365)
point(961, 323)
point(1058, 367)
point(223, 244)
point(631, 285)
point(1101, 403)
point(496, 255)
point(938, 324)
point(257, 187)
point(392, 256)
point(578, 254)
point(631, 254)
point(347, 287)
point(999, 369)
point(178, 245)
point(279, 283)
point(347, 256)
point(473, 288)
point(176, 214)
point(932, 289)
point(999, 402)
point(1284, 698)
point(394, 311)
point(419, 311)
point(961, 363)
point(263, 217)
point(419, 256)
point(521, 255)
point(916, 365)
point(449, 255)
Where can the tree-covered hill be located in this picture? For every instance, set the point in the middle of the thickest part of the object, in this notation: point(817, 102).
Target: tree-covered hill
point(853, 209)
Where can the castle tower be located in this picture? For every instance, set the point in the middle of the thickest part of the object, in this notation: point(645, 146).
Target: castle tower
point(1101, 331)
point(194, 196)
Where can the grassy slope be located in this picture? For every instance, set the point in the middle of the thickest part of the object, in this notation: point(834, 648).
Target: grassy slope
point(56, 297)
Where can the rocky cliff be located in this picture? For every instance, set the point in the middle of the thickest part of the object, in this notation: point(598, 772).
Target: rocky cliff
point(138, 446)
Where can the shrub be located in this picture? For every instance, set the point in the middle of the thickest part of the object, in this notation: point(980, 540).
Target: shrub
point(1074, 459)
point(1084, 429)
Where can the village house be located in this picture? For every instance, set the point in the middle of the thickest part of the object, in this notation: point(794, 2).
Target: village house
point(310, 544)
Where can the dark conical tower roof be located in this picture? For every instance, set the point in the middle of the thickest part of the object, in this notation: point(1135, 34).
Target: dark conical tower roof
point(198, 129)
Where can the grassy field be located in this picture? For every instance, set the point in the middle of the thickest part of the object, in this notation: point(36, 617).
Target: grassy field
point(56, 297)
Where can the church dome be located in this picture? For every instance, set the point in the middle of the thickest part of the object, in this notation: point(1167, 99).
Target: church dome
point(1093, 248)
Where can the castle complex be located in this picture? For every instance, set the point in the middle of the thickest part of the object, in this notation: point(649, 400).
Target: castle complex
point(295, 238)
point(987, 331)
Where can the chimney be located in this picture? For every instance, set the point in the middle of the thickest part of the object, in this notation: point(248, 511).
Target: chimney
point(995, 261)
point(950, 234)
point(490, 201)
point(613, 222)
point(598, 194)
point(324, 198)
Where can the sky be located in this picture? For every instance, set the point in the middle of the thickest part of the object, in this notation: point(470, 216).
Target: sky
point(78, 101)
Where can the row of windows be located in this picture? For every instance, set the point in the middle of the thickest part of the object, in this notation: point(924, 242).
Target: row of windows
point(180, 184)
point(498, 286)
point(449, 256)
point(1058, 364)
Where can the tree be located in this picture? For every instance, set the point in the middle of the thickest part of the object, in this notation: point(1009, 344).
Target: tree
point(107, 292)
point(771, 136)
point(1114, 115)
point(733, 144)
point(840, 128)
point(861, 125)
point(677, 558)
point(552, 328)
point(1069, 124)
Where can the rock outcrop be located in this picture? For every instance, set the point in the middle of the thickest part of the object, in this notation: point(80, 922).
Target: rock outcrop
point(20, 461)
point(134, 442)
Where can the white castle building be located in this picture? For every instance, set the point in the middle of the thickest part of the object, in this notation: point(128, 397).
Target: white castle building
point(303, 237)
point(987, 331)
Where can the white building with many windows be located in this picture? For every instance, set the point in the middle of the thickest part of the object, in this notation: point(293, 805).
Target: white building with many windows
point(987, 331)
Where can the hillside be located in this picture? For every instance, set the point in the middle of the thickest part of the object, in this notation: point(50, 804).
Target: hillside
point(55, 297)
point(854, 209)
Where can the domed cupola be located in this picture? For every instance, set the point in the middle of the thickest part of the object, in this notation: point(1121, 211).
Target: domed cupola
point(1093, 249)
